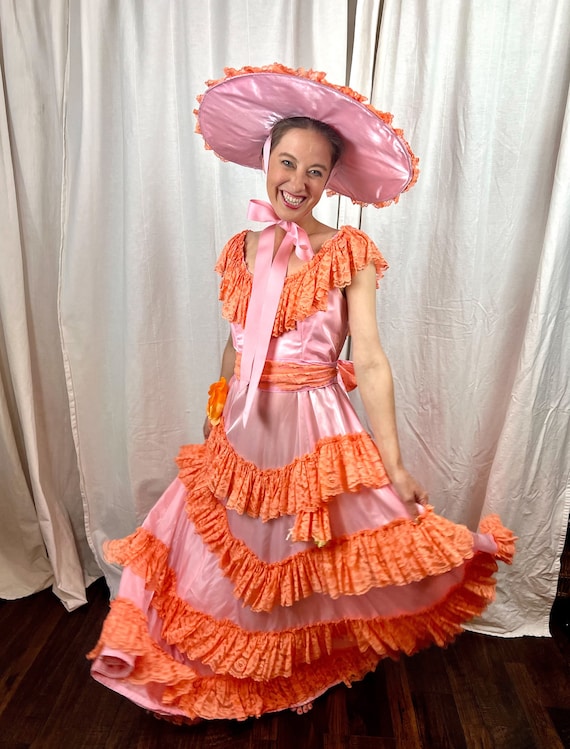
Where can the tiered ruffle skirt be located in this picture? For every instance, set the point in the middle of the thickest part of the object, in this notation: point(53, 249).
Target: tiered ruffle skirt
point(281, 562)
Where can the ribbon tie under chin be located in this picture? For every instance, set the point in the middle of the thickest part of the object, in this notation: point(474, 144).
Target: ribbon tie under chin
point(268, 279)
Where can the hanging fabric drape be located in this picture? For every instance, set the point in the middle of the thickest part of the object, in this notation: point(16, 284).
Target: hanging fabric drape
point(106, 260)
point(474, 312)
point(42, 533)
point(141, 329)
point(112, 216)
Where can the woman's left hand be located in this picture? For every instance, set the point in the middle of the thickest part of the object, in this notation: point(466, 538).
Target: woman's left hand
point(409, 490)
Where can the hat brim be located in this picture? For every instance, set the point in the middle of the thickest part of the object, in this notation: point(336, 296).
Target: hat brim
point(236, 115)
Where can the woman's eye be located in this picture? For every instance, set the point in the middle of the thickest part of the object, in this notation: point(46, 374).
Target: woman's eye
point(286, 162)
point(315, 173)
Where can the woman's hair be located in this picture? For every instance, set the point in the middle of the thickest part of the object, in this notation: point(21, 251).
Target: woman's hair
point(307, 123)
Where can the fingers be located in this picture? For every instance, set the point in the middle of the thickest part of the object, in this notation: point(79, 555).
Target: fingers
point(412, 497)
point(411, 493)
point(412, 508)
point(423, 498)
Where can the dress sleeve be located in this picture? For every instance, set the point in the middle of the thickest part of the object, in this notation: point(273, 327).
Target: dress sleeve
point(306, 291)
point(235, 286)
point(231, 254)
point(352, 251)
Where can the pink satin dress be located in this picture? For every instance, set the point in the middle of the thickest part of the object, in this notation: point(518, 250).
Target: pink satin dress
point(281, 562)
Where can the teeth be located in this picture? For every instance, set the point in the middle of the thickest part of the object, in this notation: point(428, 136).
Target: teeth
point(292, 200)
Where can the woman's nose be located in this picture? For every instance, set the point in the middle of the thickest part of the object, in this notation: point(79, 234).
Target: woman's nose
point(297, 181)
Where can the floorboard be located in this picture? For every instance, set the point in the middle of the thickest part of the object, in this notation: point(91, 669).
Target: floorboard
point(479, 693)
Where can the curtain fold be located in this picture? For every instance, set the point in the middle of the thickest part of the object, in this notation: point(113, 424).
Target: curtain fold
point(474, 312)
point(42, 534)
point(148, 212)
point(112, 215)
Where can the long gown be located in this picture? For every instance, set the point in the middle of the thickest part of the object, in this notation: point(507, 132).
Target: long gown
point(280, 561)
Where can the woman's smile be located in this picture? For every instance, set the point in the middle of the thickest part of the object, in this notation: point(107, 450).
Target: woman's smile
point(299, 167)
point(292, 201)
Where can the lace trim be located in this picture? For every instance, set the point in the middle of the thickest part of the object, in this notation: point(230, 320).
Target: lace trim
point(320, 77)
point(396, 554)
point(343, 463)
point(504, 538)
point(304, 292)
point(221, 696)
point(291, 662)
point(399, 553)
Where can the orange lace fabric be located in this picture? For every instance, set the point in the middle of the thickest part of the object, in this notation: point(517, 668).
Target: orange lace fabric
point(306, 291)
point(302, 488)
point(398, 553)
point(256, 671)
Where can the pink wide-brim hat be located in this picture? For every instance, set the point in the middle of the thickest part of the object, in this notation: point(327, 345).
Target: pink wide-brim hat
point(237, 112)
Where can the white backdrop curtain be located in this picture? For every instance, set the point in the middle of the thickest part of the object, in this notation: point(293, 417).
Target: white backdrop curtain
point(114, 214)
point(475, 312)
point(42, 531)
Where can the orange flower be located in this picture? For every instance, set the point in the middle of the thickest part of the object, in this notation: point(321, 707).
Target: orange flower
point(218, 393)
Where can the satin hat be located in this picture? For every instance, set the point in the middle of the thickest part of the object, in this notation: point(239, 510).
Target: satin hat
point(236, 114)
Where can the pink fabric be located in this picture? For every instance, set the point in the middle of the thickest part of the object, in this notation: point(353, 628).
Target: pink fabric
point(268, 282)
point(282, 426)
point(304, 416)
point(203, 586)
point(236, 116)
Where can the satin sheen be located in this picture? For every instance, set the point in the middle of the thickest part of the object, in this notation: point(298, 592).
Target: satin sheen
point(304, 417)
point(284, 426)
point(247, 104)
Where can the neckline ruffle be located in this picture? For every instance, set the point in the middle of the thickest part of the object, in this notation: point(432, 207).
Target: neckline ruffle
point(305, 292)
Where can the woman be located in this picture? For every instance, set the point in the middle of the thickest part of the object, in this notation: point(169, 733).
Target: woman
point(293, 551)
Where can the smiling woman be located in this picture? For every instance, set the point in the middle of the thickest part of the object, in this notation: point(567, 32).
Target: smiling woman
point(299, 167)
point(294, 551)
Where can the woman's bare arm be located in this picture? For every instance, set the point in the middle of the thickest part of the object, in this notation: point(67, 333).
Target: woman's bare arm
point(375, 383)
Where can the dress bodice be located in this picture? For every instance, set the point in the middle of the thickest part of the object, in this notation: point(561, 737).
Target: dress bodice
point(318, 338)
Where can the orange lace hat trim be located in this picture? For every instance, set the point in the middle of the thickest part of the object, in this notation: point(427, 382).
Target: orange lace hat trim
point(320, 77)
point(343, 463)
point(304, 292)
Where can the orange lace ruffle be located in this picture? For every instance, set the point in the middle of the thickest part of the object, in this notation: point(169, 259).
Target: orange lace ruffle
point(290, 377)
point(320, 77)
point(328, 652)
point(398, 553)
point(344, 463)
point(220, 696)
point(146, 555)
point(504, 538)
point(306, 291)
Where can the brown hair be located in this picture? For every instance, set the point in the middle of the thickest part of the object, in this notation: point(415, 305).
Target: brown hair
point(307, 123)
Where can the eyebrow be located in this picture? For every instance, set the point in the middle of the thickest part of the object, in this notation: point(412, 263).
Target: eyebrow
point(294, 158)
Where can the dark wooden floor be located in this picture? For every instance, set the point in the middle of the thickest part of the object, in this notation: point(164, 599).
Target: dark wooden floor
point(480, 693)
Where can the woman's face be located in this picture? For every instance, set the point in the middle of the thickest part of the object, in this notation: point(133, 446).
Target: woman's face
point(299, 167)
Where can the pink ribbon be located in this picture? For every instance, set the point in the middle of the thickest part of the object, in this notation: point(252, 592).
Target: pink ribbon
point(268, 279)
